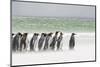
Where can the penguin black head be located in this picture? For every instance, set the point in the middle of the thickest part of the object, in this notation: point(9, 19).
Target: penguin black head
point(42, 33)
point(19, 33)
point(12, 34)
point(34, 33)
point(56, 32)
point(25, 34)
point(37, 34)
point(45, 34)
point(50, 34)
point(61, 33)
point(73, 34)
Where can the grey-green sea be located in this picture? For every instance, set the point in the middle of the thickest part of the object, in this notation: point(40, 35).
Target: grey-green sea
point(51, 24)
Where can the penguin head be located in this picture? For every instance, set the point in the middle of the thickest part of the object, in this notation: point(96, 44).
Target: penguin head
point(19, 34)
point(73, 34)
point(25, 34)
point(56, 32)
point(34, 33)
point(45, 34)
point(12, 34)
point(50, 34)
point(61, 33)
point(42, 33)
point(37, 34)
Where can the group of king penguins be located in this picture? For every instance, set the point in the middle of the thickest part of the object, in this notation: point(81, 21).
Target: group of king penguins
point(40, 42)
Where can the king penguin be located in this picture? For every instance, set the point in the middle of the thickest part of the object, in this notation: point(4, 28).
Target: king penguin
point(72, 41)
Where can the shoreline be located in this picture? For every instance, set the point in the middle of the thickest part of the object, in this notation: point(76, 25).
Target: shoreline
point(68, 33)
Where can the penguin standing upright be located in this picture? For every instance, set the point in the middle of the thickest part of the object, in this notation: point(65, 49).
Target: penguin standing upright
point(48, 36)
point(33, 40)
point(54, 40)
point(23, 41)
point(12, 37)
point(72, 41)
point(16, 41)
point(41, 41)
point(59, 40)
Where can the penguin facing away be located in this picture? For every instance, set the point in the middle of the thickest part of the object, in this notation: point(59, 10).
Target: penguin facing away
point(72, 41)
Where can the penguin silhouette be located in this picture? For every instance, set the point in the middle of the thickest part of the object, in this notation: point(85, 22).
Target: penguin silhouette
point(33, 40)
point(54, 40)
point(72, 41)
point(59, 41)
point(23, 41)
point(15, 42)
point(41, 40)
point(48, 36)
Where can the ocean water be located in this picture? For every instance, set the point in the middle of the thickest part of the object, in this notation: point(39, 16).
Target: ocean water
point(51, 24)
